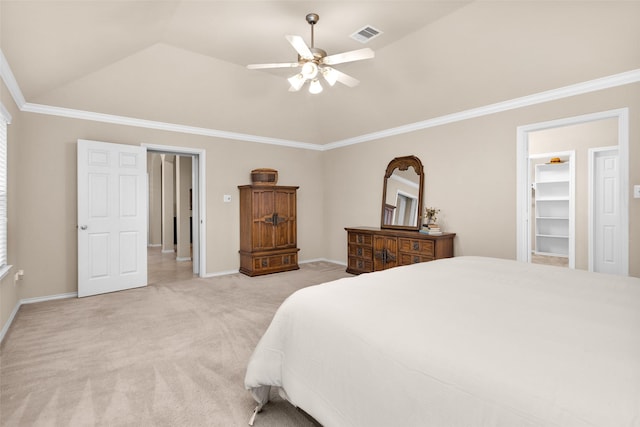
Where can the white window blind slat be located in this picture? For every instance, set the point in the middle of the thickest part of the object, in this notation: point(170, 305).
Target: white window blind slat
point(3, 192)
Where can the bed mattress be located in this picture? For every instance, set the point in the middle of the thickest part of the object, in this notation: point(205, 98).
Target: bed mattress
point(466, 341)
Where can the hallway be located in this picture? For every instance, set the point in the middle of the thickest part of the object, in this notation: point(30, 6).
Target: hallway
point(163, 267)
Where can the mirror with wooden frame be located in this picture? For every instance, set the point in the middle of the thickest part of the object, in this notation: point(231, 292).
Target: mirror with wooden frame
point(402, 194)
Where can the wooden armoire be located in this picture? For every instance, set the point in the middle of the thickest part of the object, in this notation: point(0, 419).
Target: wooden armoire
point(268, 229)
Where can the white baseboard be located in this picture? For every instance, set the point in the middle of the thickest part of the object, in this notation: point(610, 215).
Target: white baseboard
point(183, 259)
point(9, 321)
point(48, 298)
point(154, 245)
point(7, 325)
point(168, 251)
point(220, 273)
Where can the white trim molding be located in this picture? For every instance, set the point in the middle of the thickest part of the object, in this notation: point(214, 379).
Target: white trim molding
point(169, 127)
point(201, 214)
point(620, 79)
point(20, 303)
point(615, 80)
point(4, 114)
point(10, 81)
point(522, 176)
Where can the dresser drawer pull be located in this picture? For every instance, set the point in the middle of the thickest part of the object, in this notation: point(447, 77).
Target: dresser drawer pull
point(360, 238)
point(265, 263)
point(416, 259)
point(416, 246)
point(359, 251)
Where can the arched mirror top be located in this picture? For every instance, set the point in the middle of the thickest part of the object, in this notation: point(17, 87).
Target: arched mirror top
point(402, 194)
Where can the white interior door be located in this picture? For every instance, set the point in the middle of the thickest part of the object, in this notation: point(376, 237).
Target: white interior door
point(606, 212)
point(112, 217)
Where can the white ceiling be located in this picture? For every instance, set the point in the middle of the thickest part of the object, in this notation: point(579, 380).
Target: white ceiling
point(50, 43)
point(183, 61)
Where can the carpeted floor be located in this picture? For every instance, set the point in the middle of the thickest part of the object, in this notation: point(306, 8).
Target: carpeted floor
point(171, 354)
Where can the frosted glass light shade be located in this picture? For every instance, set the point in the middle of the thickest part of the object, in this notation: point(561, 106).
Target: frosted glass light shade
point(309, 70)
point(329, 75)
point(315, 87)
point(296, 82)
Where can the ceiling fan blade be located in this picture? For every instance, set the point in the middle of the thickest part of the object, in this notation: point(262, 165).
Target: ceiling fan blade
point(300, 46)
point(345, 79)
point(273, 65)
point(353, 55)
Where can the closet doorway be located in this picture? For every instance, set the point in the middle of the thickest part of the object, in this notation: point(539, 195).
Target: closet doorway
point(598, 140)
point(552, 183)
point(176, 189)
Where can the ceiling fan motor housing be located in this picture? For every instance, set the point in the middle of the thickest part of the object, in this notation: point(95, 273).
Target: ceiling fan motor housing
point(318, 54)
point(312, 18)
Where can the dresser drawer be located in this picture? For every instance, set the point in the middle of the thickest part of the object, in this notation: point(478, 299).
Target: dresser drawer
point(360, 239)
point(406, 259)
point(416, 246)
point(359, 265)
point(361, 251)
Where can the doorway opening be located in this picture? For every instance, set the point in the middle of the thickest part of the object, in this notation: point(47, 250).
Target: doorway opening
point(552, 183)
point(176, 198)
point(603, 129)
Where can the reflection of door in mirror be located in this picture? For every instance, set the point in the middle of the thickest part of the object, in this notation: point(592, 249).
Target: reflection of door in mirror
point(402, 194)
point(401, 207)
point(406, 212)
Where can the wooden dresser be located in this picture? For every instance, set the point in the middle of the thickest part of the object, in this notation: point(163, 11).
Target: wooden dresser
point(373, 249)
point(268, 229)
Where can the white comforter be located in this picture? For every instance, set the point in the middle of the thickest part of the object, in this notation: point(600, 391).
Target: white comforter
point(465, 341)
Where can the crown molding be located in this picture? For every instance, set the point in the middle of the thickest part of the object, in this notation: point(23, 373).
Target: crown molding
point(607, 82)
point(615, 80)
point(164, 126)
point(10, 81)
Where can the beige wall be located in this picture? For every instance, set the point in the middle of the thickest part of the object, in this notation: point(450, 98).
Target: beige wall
point(470, 174)
point(470, 170)
point(507, 49)
point(47, 183)
point(154, 168)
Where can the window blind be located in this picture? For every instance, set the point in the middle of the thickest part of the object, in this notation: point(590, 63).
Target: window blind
point(3, 192)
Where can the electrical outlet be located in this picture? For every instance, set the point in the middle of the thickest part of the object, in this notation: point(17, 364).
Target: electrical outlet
point(19, 274)
point(636, 191)
point(226, 198)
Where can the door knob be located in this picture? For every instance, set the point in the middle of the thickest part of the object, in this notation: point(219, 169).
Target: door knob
point(83, 227)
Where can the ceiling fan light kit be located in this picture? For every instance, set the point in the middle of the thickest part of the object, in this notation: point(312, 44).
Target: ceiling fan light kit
point(313, 61)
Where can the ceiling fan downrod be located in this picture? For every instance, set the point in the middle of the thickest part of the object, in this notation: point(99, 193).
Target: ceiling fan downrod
point(312, 19)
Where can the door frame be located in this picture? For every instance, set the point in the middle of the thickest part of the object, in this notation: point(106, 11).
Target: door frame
point(199, 203)
point(523, 237)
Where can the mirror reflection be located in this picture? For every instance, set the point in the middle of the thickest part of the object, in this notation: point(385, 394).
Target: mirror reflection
point(402, 193)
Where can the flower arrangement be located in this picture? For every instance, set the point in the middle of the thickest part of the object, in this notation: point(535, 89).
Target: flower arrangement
point(430, 214)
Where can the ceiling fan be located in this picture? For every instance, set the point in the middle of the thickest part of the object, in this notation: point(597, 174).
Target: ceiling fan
point(314, 62)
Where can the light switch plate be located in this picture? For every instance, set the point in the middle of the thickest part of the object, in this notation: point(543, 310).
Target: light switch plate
point(636, 191)
point(226, 198)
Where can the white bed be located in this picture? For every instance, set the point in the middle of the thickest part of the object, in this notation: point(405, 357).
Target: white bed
point(466, 341)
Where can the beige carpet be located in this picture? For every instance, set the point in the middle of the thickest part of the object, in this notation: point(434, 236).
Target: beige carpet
point(170, 354)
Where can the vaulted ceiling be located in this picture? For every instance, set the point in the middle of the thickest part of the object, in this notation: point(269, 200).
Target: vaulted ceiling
point(184, 61)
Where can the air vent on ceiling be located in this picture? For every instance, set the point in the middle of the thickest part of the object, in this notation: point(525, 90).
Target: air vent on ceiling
point(365, 34)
